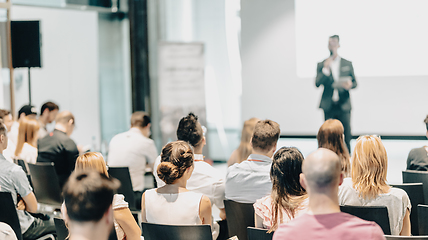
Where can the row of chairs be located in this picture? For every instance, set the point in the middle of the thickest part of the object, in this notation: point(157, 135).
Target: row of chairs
point(240, 216)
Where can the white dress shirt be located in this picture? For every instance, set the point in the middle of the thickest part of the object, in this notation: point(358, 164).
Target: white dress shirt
point(133, 150)
point(249, 180)
point(335, 72)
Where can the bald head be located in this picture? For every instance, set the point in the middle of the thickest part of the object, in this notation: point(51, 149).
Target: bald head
point(65, 122)
point(322, 169)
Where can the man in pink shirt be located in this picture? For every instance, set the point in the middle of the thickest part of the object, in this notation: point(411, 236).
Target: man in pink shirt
point(321, 176)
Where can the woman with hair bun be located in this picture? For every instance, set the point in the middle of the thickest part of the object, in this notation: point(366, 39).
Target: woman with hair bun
point(173, 203)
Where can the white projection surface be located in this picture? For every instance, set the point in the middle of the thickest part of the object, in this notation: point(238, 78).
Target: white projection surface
point(386, 40)
point(381, 37)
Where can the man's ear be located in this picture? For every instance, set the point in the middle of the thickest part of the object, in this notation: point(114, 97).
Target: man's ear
point(341, 178)
point(303, 181)
point(109, 215)
point(70, 122)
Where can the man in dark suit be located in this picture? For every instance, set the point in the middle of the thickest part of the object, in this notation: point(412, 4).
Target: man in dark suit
point(337, 76)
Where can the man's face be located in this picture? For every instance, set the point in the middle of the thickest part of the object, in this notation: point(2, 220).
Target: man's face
point(333, 44)
point(52, 115)
point(8, 122)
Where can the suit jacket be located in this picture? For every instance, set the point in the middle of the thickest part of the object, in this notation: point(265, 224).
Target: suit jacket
point(345, 70)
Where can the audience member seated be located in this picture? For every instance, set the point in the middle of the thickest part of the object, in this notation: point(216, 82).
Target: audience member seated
point(244, 150)
point(288, 198)
point(8, 153)
point(331, 136)
point(14, 180)
point(124, 223)
point(205, 179)
point(48, 114)
point(173, 203)
point(321, 177)
point(135, 150)
point(59, 148)
point(25, 111)
point(249, 180)
point(88, 209)
point(26, 147)
point(367, 185)
point(418, 157)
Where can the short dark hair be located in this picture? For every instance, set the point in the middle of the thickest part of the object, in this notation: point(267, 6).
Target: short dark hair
point(27, 110)
point(426, 122)
point(189, 130)
point(140, 119)
point(88, 195)
point(2, 127)
point(50, 106)
point(335, 36)
point(266, 134)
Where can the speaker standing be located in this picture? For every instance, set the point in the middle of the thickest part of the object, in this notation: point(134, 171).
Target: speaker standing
point(337, 76)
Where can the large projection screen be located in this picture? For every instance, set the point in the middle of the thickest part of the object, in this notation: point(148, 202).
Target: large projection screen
point(386, 40)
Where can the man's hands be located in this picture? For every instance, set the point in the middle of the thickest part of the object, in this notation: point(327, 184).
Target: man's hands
point(347, 85)
point(20, 205)
point(328, 62)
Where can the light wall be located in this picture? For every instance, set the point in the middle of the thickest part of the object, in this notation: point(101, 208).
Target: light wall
point(271, 88)
point(69, 73)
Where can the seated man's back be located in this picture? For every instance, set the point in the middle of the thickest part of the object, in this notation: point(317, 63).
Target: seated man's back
point(250, 180)
point(329, 226)
point(134, 149)
point(58, 148)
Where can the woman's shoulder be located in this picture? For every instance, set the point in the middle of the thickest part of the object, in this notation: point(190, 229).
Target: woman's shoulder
point(399, 193)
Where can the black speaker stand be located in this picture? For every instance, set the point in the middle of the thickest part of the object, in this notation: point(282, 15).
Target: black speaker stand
point(29, 86)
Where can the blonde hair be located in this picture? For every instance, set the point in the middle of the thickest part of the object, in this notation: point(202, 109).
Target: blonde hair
point(369, 167)
point(330, 136)
point(92, 160)
point(27, 133)
point(244, 150)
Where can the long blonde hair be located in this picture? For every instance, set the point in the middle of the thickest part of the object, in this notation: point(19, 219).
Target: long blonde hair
point(369, 167)
point(92, 160)
point(27, 133)
point(330, 136)
point(244, 150)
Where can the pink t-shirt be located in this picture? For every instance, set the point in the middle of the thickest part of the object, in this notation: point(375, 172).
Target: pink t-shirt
point(329, 226)
point(263, 208)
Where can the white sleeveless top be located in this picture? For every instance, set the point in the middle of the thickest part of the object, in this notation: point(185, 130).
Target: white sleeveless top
point(172, 208)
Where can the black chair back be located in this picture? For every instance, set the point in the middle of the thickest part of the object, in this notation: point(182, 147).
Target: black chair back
point(239, 216)
point(395, 237)
point(45, 183)
point(411, 176)
point(122, 174)
point(258, 234)
point(152, 231)
point(377, 214)
point(62, 230)
point(8, 213)
point(415, 193)
point(423, 219)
